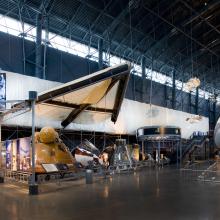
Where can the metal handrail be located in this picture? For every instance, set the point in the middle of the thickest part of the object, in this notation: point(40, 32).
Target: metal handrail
point(194, 142)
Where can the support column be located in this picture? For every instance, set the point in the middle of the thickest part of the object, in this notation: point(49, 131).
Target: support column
point(100, 50)
point(143, 71)
point(38, 56)
point(33, 187)
point(190, 102)
point(159, 153)
point(1, 171)
point(181, 152)
point(209, 113)
point(214, 110)
point(166, 98)
point(142, 150)
point(174, 90)
point(212, 113)
point(45, 47)
point(197, 101)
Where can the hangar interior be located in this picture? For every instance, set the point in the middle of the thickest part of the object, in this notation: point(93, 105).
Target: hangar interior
point(103, 98)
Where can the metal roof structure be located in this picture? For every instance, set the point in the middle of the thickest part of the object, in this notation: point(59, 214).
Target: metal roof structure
point(173, 35)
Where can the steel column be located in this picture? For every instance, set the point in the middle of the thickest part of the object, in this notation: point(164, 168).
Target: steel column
point(100, 50)
point(38, 57)
point(159, 153)
point(214, 111)
point(197, 101)
point(166, 98)
point(32, 140)
point(142, 150)
point(45, 48)
point(174, 90)
point(33, 187)
point(190, 102)
point(143, 70)
point(1, 172)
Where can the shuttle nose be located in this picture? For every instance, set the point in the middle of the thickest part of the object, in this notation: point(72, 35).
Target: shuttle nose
point(217, 134)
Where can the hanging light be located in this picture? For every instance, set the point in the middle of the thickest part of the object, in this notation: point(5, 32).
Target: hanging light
point(193, 83)
point(213, 97)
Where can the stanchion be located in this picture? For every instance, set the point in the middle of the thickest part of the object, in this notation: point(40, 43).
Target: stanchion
point(89, 176)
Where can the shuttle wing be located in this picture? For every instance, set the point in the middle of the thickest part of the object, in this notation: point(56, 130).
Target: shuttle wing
point(101, 92)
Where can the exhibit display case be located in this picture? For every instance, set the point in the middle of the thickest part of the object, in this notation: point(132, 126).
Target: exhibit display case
point(15, 154)
point(51, 153)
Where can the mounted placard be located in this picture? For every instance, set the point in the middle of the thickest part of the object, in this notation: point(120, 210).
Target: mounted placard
point(49, 167)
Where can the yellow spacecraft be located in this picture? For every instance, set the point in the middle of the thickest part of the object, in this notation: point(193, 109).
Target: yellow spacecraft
point(51, 150)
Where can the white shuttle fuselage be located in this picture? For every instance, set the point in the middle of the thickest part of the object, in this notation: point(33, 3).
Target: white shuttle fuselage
point(217, 133)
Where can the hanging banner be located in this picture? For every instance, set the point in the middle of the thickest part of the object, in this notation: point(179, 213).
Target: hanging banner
point(24, 153)
point(2, 91)
point(14, 155)
point(2, 155)
point(8, 145)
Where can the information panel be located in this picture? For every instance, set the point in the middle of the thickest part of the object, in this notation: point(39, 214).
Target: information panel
point(49, 167)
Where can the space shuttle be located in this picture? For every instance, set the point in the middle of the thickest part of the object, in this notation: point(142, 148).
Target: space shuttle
point(217, 133)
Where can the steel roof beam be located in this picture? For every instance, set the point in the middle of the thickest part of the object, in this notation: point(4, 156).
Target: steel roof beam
point(179, 30)
point(182, 24)
point(144, 38)
point(70, 22)
point(98, 17)
point(116, 21)
point(211, 5)
point(200, 16)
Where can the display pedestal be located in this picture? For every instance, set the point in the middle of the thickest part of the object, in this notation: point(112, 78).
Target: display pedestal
point(1, 179)
point(33, 189)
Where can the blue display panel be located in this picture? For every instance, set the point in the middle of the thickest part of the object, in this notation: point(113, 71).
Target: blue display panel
point(2, 91)
point(8, 145)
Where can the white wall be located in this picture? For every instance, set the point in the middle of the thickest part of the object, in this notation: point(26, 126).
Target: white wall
point(17, 85)
point(133, 114)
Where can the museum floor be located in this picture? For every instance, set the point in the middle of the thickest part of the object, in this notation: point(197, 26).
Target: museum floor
point(148, 194)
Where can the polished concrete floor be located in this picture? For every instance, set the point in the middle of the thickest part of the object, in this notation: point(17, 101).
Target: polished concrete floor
point(150, 194)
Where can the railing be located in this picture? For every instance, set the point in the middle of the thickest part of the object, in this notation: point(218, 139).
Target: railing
point(61, 176)
point(210, 176)
point(127, 167)
point(17, 176)
point(193, 142)
point(197, 171)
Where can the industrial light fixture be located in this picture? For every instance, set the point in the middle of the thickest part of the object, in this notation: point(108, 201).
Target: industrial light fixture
point(193, 83)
